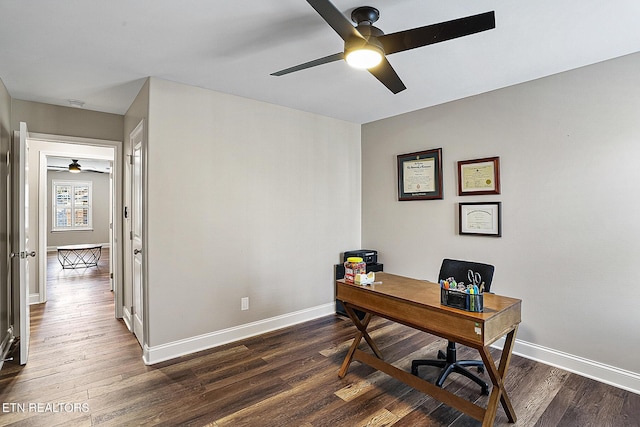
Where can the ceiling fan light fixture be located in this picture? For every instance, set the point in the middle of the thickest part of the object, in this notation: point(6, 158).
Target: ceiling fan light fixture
point(74, 167)
point(363, 54)
point(364, 58)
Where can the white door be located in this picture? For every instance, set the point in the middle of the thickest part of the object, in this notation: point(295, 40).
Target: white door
point(112, 243)
point(20, 229)
point(136, 232)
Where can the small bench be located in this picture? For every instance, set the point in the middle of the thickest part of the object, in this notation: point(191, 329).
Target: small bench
point(73, 256)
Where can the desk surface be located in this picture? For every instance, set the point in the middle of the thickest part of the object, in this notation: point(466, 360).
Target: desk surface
point(416, 303)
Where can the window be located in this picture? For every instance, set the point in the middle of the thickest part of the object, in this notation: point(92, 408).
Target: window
point(71, 205)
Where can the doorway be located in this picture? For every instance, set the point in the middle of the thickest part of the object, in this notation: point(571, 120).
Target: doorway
point(76, 210)
point(48, 148)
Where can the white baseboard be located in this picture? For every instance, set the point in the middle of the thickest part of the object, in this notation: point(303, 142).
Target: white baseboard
point(607, 374)
point(126, 317)
point(34, 299)
point(160, 353)
point(611, 375)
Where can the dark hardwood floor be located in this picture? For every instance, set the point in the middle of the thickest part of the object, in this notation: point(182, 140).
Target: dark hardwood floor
point(85, 369)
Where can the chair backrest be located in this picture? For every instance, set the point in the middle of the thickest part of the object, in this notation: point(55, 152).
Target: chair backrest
point(459, 270)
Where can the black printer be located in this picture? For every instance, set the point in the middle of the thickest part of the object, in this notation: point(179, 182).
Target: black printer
point(369, 256)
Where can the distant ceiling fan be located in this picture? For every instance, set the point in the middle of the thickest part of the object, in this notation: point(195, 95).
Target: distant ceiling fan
point(366, 46)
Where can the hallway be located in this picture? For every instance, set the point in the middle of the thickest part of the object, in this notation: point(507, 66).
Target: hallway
point(76, 344)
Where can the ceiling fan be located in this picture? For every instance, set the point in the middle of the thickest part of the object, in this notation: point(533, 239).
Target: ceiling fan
point(366, 46)
point(59, 164)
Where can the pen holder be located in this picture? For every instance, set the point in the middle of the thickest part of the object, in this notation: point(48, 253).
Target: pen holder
point(462, 300)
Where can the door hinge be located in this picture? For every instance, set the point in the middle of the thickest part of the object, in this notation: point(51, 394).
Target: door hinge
point(133, 310)
point(130, 235)
point(111, 276)
point(130, 156)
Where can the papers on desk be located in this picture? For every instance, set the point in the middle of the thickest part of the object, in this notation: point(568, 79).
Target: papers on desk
point(365, 279)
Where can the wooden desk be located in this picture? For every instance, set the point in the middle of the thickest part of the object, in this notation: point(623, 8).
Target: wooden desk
point(73, 256)
point(416, 303)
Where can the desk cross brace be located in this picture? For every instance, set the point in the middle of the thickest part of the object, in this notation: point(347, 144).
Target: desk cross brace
point(362, 333)
point(498, 392)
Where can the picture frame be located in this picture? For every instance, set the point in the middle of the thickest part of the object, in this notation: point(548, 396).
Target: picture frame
point(420, 175)
point(479, 176)
point(480, 218)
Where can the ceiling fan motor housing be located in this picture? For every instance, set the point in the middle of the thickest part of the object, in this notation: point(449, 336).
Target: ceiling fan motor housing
point(365, 14)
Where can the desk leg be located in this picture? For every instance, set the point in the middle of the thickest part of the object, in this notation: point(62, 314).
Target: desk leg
point(362, 333)
point(505, 360)
point(499, 392)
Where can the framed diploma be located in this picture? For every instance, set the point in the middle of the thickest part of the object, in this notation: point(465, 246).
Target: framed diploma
point(481, 219)
point(420, 175)
point(480, 176)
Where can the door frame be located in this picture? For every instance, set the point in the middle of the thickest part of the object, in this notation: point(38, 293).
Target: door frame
point(115, 251)
point(136, 224)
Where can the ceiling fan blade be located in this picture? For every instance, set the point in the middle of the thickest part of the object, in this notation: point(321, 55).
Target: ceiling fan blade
point(315, 62)
point(430, 34)
point(335, 19)
point(388, 76)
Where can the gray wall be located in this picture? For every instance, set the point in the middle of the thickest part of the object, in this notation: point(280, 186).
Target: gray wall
point(100, 200)
point(67, 121)
point(5, 138)
point(569, 147)
point(244, 199)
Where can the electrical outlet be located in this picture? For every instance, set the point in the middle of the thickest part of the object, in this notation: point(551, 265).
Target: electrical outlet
point(244, 303)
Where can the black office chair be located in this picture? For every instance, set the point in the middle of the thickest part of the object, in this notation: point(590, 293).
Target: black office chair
point(458, 270)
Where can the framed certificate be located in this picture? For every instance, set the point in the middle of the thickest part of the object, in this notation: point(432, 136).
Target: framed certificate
point(480, 219)
point(420, 175)
point(480, 176)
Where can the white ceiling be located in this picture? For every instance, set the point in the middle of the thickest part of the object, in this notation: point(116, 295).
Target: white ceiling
point(100, 51)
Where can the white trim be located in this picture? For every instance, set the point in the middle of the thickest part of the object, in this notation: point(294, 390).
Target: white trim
point(607, 374)
point(611, 375)
point(126, 317)
point(139, 319)
point(160, 353)
point(34, 299)
point(73, 140)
